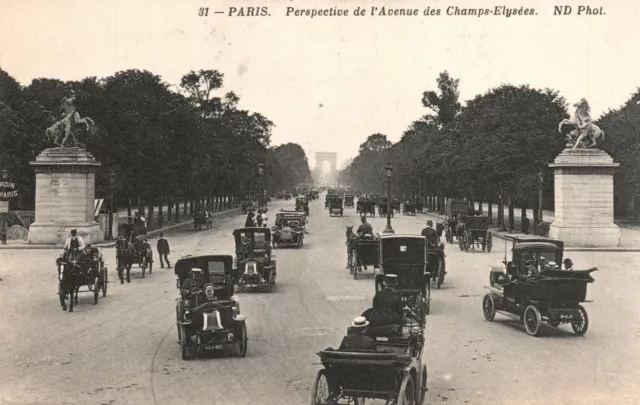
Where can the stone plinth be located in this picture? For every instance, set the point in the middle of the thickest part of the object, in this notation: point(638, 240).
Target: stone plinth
point(584, 199)
point(65, 193)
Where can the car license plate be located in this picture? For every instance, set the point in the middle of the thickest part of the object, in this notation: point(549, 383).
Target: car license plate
point(213, 347)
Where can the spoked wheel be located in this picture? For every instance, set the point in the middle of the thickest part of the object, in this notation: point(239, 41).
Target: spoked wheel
point(96, 289)
point(150, 260)
point(356, 270)
point(407, 395)
point(440, 275)
point(488, 307)
point(105, 280)
point(532, 320)
point(179, 311)
point(359, 401)
point(467, 241)
point(580, 326)
point(428, 299)
point(242, 344)
point(143, 266)
point(270, 281)
point(423, 387)
point(321, 391)
point(489, 241)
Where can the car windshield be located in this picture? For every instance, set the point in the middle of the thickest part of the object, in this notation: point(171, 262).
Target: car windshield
point(539, 261)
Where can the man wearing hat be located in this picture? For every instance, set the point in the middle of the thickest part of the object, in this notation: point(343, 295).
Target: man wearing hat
point(365, 228)
point(430, 233)
point(250, 222)
point(194, 281)
point(73, 245)
point(357, 339)
point(387, 305)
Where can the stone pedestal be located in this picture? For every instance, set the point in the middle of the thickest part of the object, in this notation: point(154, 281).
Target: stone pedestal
point(65, 193)
point(584, 199)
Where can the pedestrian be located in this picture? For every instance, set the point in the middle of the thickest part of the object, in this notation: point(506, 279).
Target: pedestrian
point(160, 219)
point(163, 251)
point(525, 225)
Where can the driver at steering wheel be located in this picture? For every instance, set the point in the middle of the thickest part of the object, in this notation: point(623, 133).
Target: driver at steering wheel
point(193, 282)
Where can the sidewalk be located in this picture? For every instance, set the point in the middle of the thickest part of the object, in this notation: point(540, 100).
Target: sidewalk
point(629, 233)
point(22, 244)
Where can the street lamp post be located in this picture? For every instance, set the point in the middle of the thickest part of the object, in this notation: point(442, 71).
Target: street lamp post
point(112, 186)
point(260, 173)
point(540, 183)
point(3, 231)
point(389, 170)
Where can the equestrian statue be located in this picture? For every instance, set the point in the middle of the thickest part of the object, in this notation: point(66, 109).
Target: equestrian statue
point(68, 124)
point(583, 128)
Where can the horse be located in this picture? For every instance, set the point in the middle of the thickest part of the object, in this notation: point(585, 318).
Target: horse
point(70, 120)
point(125, 257)
point(583, 127)
point(69, 272)
point(350, 235)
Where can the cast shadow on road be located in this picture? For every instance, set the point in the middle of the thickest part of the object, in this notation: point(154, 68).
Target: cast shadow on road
point(546, 331)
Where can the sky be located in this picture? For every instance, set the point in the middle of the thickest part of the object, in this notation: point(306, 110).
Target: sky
point(329, 82)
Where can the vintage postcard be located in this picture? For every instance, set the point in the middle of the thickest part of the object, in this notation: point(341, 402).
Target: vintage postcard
point(284, 202)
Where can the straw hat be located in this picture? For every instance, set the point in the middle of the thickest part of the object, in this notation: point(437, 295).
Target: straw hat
point(360, 322)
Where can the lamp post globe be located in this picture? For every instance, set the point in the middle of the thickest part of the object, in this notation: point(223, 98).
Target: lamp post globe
point(389, 171)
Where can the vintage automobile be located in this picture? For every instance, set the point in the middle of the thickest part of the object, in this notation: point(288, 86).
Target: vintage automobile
point(407, 256)
point(534, 289)
point(245, 205)
point(255, 263)
point(363, 252)
point(453, 209)
point(82, 268)
point(475, 233)
point(327, 199)
point(394, 371)
point(302, 204)
point(348, 200)
point(335, 207)
point(288, 230)
point(208, 318)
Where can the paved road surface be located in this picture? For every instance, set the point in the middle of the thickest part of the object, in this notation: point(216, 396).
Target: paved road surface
point(125, 351)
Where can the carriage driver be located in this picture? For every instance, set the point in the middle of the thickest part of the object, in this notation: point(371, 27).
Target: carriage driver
point(430, 233)
point(73, 245)
point(365, 228)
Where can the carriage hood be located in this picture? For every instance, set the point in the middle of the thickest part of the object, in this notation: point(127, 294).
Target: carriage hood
point(208, 263)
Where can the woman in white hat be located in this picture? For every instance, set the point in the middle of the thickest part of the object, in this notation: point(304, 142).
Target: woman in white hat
point(357, 339)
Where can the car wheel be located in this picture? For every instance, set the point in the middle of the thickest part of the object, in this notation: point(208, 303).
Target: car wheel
point(488, 307)
point(532, 320)
point(580, 326)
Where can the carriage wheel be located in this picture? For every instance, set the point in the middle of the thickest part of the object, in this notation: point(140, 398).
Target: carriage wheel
point(150, 259)
point(428, 299)
point(143, 266)
point(105, 280)
point(356, 270)
point(488, 307)
point(489, 241)
point(242, 341)
point(440, 274)
point(423, 387)
point(580, 327)
point(184, 338)
point(321, 391)
point(407, 394)
point(532, 320)
point(179, 311)
point(466, 241)
point(96, 289)
point(270, 281)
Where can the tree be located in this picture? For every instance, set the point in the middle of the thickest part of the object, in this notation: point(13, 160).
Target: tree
point(445, 105)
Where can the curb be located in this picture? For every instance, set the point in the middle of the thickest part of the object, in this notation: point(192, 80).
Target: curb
point(112, 244)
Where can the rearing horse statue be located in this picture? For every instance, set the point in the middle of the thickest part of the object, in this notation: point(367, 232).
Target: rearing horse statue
point(68, 124)
point(583, 127)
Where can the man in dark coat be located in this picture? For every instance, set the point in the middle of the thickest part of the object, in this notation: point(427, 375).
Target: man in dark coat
point(358, 340)
point(365, 227)
point(387, 305)
point(430, 233)
point(163, 250)
point(250, 222)
point(525, 225)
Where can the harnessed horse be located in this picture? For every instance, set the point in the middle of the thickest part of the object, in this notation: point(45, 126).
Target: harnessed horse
point(125, 256)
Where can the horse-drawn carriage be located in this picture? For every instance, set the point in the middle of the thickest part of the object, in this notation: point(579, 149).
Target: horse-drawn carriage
point(208, 318)
point(407, 256)
point(366, 206)
point(392, 371)
point(202, 218)
point(383, 206)
point(409, 208)
point(475, 233)
point(454, 209)
point(133, 250)
point(533, 288)
point(289, 229)
point(256, 265)
point(362, 252)
point(302, 204)
point(335, 207)
point(78, 269)
point(348, 200)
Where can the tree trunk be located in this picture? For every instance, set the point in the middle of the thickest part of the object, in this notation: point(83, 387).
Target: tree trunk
point(185, 211)
point(128, 206)
point(169, 205)
point(150, 213)
point(536, 219)
point(177, 209)
point(511, 216)
point(490, 212)
point(523, 214)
